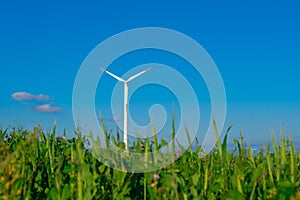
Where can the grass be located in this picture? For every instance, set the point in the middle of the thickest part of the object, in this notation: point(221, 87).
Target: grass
point(39, 165)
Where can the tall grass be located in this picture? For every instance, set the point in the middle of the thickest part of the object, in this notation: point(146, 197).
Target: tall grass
point(39, 165)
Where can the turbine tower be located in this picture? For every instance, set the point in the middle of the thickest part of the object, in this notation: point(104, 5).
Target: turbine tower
point(125, 99)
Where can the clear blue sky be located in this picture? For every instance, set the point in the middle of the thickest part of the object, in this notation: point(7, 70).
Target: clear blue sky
point(255, 44)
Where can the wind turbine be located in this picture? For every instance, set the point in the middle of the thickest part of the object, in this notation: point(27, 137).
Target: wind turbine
point(125, 98)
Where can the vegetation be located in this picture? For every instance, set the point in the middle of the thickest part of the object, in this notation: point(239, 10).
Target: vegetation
point(38, 165)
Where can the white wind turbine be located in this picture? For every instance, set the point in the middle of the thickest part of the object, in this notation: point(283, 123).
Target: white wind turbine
point(125, 99)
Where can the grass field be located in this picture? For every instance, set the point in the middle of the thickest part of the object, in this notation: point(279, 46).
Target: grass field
point(38, 165)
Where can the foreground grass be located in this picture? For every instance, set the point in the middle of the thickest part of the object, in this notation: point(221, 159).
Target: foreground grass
point(38, 165)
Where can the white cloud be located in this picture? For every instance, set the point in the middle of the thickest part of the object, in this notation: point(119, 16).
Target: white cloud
point(30, 99)
point(25, 96)
point(47, 108)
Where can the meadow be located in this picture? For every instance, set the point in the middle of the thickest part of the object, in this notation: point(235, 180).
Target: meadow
point(39, 165)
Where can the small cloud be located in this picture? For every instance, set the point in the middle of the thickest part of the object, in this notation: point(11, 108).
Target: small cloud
point(47, 108)
point(25, 96)
point(41, 102)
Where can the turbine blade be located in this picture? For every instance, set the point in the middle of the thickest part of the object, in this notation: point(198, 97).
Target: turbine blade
point(115, 76)
point(138, 74)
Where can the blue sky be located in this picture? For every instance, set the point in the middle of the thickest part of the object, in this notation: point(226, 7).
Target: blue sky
point(255, 44)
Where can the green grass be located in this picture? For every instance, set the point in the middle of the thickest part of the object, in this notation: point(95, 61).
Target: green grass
point(39, 165)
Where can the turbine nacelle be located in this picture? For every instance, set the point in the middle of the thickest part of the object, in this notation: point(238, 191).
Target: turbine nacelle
point(129, 79)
